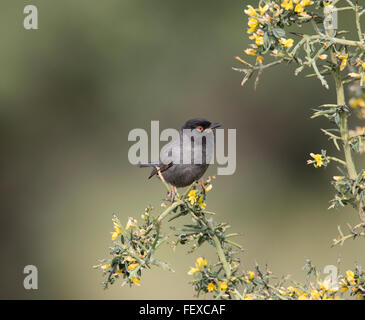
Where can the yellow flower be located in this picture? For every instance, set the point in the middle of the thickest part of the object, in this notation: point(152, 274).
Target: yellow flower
point(116, 232)
point(119, 272)
point(318, 159)
point(201, 203)
point(105, 266)
point(315, 294)
point(278, 11)
point(253, 24)
point(344, 289)
point(263, 9)
point(287, 4)
point(304, 14)
point(251, 12)
point(323, 56)
point(260, 32)
point(361, 63)
point(193, 270)
point(276, 53)
point(251, 275)
point(211, 287)
point(325, 285)
point(299, 8)
point(259, 41)
point(282, 291)
point(131, 223)
point(287, 43)
point(129, 259)
point(222, 285)
point(354, 75)
point(306, 3)
point(164, 205)
point(208, 188)
point(251, 52)
point(350, 276)
point(343, 59)
point(135, 280)
point(359, 102)
point(200, 262)
point(133, 266)
point(192, 196)
point(259, 59)
point(303, 297)
point(300, 292)
point(248, 297)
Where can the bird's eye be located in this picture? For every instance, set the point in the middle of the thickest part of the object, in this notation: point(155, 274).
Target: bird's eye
point(200, 128)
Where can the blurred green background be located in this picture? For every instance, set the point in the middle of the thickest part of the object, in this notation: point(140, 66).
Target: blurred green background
point(71, 91)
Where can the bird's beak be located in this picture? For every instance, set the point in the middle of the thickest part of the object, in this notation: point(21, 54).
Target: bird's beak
point(215, 125)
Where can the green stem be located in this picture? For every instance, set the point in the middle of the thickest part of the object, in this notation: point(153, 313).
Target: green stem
point(343, 122)
point(168, 210)
point(338, 160)
point(346, 42)
point(350, 166)
point(358, 24)
point(222, 257)
point(346, 140)
point(220, 251)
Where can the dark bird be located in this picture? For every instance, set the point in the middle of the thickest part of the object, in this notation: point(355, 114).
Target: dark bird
point(196, 138)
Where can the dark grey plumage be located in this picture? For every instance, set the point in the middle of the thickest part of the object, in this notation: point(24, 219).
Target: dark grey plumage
point(177, 173)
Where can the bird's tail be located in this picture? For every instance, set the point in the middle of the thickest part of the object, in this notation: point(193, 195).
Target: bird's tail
point(162, 167)
point(148, 164)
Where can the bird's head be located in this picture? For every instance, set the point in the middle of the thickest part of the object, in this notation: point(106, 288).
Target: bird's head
point(199, 124)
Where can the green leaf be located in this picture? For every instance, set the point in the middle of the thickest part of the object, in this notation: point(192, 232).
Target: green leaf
point(278, 33)
point(163, 265)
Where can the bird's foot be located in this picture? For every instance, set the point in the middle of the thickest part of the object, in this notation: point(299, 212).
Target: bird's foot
point(173, 194)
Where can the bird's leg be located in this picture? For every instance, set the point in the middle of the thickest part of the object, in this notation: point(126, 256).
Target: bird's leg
point(172, 193)
point(176, 193)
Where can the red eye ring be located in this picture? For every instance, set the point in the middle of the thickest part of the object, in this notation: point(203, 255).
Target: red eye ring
point(200, 128)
